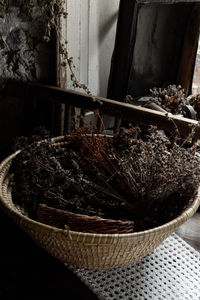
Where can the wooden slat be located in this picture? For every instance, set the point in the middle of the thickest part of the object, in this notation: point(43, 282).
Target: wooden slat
point(82, 119)
point(117, 125)
point(99, 124)
point(186, 68)
point(68, 118)
point(122, 56)
point(118, 109)
point(153, 46)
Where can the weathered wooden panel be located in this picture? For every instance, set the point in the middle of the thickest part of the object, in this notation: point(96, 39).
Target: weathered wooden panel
point(90, 32)
point(154, 46)
point(121, 63)
point(190, 46)
point(158, 46)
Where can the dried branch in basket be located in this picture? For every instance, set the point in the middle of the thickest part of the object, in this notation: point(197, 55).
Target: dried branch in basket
point(135, 175)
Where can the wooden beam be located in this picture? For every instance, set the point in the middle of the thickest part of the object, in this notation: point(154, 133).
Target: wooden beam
point(122, 56)
point(124, 111)
point(186, 68)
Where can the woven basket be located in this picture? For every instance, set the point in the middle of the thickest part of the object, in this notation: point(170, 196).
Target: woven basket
point(89, 250)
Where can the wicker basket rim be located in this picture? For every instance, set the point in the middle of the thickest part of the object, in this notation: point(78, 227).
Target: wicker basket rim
point(185, 215)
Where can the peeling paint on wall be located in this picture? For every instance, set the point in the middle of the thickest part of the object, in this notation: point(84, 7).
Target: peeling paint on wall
point(24, 56)
point(21, 49)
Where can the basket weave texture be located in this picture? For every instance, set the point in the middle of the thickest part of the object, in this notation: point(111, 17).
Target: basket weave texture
point(89, 250)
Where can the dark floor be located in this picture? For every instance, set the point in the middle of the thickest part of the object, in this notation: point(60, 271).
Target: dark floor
point(29, 273)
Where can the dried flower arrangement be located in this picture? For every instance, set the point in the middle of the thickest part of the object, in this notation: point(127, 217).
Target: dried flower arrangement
point(174, 100)
point(135, 175)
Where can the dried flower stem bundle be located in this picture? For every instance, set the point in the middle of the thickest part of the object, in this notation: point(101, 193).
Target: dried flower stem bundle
point(134, 175)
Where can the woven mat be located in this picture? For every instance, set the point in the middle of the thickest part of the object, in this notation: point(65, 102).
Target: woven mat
point(171, 272)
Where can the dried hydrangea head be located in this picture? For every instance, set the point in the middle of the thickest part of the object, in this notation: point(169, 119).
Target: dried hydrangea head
point(172, 98)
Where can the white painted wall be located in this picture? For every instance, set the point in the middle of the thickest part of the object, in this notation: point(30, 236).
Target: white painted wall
point(90, 32)
point(196, 76)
